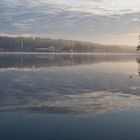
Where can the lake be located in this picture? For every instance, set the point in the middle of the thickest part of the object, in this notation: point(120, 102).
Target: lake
point(69, 96)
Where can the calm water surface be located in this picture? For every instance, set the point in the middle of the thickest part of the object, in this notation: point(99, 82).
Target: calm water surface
point(69, 97)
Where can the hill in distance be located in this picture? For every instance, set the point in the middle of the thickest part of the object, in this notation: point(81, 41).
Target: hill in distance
point(37, 44)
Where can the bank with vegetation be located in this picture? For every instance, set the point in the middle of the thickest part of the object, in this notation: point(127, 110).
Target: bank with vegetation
point(37, 44)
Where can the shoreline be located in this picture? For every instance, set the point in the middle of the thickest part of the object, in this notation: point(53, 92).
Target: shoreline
point(65, 53)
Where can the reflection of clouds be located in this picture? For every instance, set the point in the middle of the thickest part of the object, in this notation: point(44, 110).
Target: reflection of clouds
point(88, 104)
point(135, 87)
point(68, 90)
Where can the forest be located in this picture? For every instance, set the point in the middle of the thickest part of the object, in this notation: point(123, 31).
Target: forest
point(38, 44)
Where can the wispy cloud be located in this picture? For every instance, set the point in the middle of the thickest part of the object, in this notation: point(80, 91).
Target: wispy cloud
point(99, 7)
point(82, 19)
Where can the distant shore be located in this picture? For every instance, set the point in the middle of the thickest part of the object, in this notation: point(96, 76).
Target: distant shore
point(47, 45)
point(66, 53)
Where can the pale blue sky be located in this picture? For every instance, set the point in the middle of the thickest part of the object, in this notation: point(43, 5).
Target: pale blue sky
point(101, 21)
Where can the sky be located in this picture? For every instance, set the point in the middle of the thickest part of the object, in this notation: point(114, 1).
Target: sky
point(99, 21)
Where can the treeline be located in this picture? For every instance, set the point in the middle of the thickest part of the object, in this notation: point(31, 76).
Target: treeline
point(36, 44)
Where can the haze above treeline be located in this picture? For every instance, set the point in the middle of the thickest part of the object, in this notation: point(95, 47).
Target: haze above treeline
point(37, 44)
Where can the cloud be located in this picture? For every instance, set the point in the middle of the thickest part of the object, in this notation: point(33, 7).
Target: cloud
point(87, 20)
point(99, 7)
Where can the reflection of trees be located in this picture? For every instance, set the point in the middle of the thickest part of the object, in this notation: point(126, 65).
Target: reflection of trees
point(138, 61)
point(50, 60)
point(138, 48)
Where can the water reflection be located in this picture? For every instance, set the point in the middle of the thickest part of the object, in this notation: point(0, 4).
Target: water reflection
point(31, 61)
point(86, 85)
point(138, 61)
point(88, 104)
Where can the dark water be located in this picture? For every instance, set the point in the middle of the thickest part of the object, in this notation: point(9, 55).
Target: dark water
point(69, 97)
